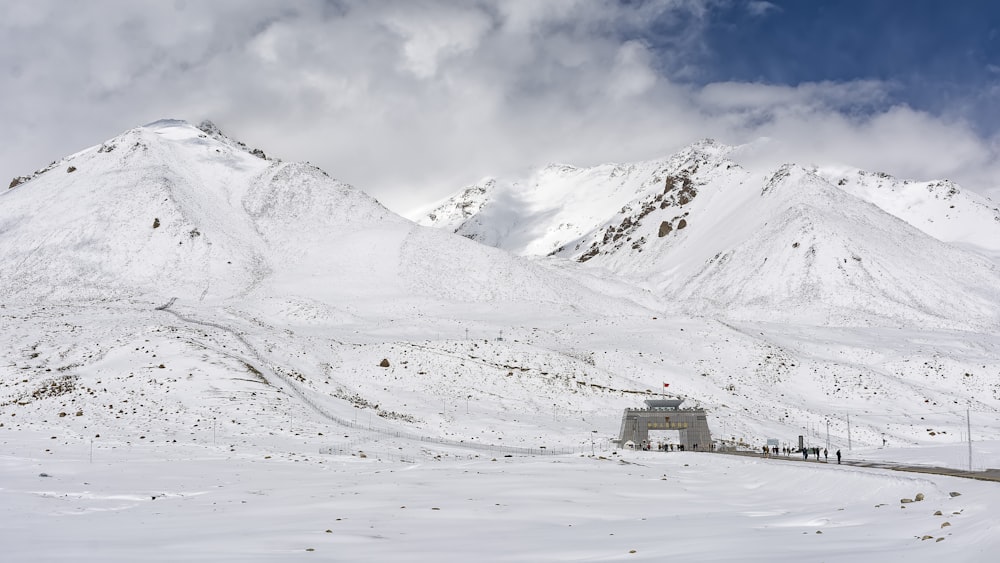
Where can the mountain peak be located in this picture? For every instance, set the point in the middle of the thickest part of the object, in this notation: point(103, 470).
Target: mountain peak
point(210, 128)
point(179, 129)
point(701, 229)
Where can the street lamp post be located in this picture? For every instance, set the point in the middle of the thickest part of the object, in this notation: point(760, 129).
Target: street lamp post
point(828, 434)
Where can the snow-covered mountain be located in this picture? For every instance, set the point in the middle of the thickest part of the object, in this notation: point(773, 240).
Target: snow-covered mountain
point(793, 246)
point(939, 208)
point(174, 210)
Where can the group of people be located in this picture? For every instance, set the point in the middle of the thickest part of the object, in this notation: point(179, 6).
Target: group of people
point(662, 447)
point(816, 452)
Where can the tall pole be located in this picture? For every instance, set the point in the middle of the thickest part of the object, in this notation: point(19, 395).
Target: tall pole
point(848, 431)
point(828, 434)
point(968, 432)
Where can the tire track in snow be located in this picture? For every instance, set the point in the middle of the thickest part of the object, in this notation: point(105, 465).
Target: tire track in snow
point(271, 376)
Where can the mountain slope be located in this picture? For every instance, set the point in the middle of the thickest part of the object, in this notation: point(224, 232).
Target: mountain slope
point(699, 229)
point(939, 208)
point(171, 210)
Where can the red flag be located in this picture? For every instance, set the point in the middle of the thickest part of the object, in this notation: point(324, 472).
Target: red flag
point(665, 385)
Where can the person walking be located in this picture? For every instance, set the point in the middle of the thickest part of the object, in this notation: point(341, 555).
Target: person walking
point(826, 455)
point(838, 457)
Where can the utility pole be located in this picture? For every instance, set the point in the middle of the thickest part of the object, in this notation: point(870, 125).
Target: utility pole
point(848, 431)
point(828, 434)
point(968, 432)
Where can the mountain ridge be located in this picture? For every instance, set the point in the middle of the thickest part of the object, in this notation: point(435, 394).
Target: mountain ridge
point(685, 216)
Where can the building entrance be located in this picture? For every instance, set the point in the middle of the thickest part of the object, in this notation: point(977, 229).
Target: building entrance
point(659, 415)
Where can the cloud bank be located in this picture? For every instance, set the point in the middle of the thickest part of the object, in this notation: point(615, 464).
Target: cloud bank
point(411, 100)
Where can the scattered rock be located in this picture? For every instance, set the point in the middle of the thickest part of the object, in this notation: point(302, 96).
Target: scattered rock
point(665, 228)
point(310, 549)
point(938, 513)
point(926, 538)
point(384, 363)
point(44, 475)
point(905, 500)
point(945, 524)
point(919, 497)
point(156, 222)
point(631, 551)
point(953, 494)
point(939, 539)
point(329, 531)
point(819, 531)
point(71, 169)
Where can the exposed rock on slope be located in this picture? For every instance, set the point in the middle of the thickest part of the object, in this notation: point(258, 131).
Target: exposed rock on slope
point(791, 247)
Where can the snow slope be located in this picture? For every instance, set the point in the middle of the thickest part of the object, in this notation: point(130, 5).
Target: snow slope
point(699, 229)
point(171, 210)
point(939, 208)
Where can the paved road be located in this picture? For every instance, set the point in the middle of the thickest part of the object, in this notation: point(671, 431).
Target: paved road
point(987, 475)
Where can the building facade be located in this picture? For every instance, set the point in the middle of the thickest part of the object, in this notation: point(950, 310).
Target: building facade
point(666, 414)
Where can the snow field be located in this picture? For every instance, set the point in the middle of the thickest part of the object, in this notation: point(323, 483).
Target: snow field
point(201, 503)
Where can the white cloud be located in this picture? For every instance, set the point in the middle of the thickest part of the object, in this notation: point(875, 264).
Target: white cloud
point(632, 74)
point(431, 33)
point(412, 100)
point(760, 7)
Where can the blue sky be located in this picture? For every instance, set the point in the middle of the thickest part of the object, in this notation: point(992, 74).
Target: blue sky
point(411, 100)
point(937, 56)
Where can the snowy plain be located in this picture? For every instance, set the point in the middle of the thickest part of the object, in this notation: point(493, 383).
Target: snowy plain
point(206, 503)
point(193, 355)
